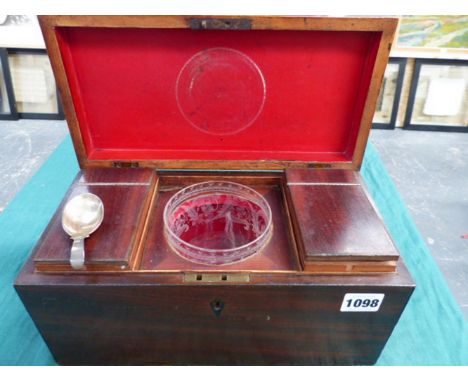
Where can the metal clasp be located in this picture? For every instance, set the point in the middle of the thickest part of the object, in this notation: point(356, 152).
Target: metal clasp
point(217, 277)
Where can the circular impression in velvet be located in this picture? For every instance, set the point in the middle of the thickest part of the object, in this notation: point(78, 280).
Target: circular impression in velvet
point(220, 91)
point(217, 222)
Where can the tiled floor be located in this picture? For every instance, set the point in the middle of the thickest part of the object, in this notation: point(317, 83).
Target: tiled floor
point(24, 146)
point(429, 169)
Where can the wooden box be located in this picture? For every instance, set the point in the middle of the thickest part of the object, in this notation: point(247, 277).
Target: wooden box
point(281, 104)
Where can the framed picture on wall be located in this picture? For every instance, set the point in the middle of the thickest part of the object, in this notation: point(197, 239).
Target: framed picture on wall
point(433, 31)
point(438, 99)
point(7, 99)
point(34, 85)
point(387, 104)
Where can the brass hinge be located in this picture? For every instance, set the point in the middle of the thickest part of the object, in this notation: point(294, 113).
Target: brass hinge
point(126, 164)
point(225, 24)
point(318, 165)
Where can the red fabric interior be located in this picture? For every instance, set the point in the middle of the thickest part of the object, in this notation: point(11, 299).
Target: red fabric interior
point(123, 83)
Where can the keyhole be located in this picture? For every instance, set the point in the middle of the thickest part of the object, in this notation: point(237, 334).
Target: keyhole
point(217, 307)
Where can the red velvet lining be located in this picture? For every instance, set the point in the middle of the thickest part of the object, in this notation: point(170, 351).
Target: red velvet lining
point(124, 87)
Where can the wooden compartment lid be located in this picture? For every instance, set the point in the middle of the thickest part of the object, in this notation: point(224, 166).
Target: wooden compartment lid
point(126, 194)
point(218, 92)
point(339, 230)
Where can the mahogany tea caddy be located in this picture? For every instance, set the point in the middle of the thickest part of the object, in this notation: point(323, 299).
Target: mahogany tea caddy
point(283, 105)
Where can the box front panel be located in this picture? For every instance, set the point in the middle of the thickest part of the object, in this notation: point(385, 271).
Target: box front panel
point(212, 325)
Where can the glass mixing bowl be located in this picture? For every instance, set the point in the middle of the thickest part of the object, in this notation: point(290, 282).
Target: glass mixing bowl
point(217, 222)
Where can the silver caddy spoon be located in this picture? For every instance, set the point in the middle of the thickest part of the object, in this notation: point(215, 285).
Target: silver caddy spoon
point(81, 216)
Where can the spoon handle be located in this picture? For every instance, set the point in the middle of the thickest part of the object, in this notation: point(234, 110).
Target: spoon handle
point(77, 254)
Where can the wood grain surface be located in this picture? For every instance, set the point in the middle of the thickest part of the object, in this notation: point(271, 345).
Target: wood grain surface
point(112, 245)
point(120, 176)
point(336, 220)
point(275, 319)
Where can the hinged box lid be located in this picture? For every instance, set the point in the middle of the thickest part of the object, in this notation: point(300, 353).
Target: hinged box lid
point(219, 92)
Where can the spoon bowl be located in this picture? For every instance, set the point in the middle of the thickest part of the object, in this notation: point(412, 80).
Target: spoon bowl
point(81, 216)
